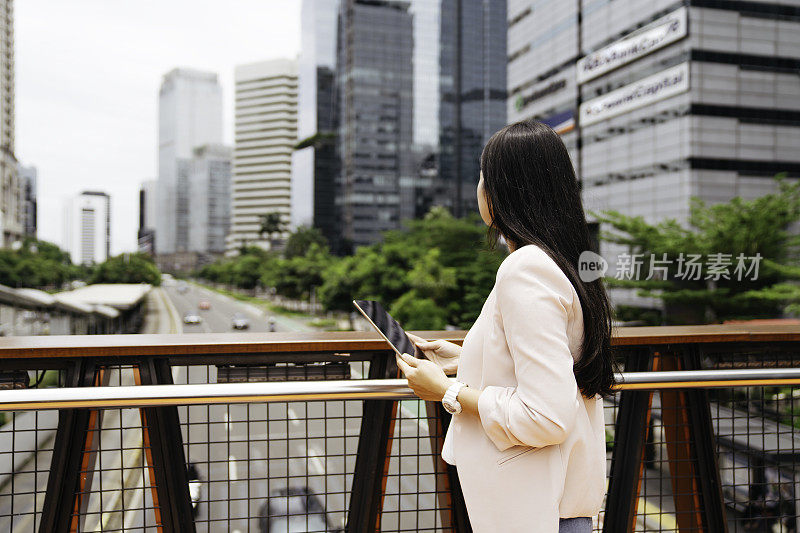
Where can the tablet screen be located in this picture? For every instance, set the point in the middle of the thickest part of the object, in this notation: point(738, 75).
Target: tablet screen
point(387, 325)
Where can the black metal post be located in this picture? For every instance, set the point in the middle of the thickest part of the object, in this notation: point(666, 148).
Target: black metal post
point(629, 441)
point(166, 450)
point(702, 433)
point(366, 494)
point(65, 464)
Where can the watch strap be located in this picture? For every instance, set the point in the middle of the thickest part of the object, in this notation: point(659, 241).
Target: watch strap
point(451, 396)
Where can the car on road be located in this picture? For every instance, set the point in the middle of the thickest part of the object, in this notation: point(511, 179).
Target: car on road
point(294, 510)
point(195, 488)
point(192, 318)
point(240, 321)
point(205, 305)
point(183, 287)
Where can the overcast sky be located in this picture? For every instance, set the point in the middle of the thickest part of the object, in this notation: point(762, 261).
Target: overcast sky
point(88, 73)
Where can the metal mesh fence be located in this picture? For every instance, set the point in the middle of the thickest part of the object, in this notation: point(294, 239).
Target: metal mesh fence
point(270, 466)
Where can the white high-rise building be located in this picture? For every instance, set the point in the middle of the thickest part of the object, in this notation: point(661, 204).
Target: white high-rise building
point(210, 199)
point(189, 115)
point(265, 136)
point(12, 212)
point(88, 227)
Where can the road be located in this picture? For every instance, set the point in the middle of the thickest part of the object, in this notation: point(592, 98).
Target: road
point(243, 452)
point(218, 318)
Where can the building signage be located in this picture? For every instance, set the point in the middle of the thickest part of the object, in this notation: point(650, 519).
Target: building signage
point(561, 122)
point(553, 87)
point(644, 92)
point(662, 32)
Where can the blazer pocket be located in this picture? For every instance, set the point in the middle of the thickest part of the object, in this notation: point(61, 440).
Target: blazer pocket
point(513, 454)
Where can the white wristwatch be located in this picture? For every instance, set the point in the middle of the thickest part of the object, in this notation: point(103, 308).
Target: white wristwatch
point(450, 402)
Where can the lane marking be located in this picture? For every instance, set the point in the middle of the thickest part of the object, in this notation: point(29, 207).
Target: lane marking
point(293, 416)
point(654, 515)
point(316, 462)
point(233, 473)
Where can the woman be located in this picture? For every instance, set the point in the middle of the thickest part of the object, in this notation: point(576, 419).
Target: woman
point(529, 439)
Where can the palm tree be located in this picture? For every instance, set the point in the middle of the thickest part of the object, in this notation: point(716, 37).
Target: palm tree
point(271, 223)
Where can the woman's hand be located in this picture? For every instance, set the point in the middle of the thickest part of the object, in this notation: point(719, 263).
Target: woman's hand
point(425, 378)
point(443, 353)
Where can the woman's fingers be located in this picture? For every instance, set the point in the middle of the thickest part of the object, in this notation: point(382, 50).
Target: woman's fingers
point(425, 345)
point(415, 338)
point(410, 360)
point(402, 365)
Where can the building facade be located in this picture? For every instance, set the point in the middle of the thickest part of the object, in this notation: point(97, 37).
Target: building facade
point(12, 212)
point(190, 115)
point(148, 211)
point(88, 228)
point(442, 64)
point(265, 137)
point(376, 184)
point(659, 101)
point(472, 95)
point(210, 199)
point(315, 165)
point(27, 180)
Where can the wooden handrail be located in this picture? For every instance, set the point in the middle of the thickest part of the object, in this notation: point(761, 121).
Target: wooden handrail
point(304, 342)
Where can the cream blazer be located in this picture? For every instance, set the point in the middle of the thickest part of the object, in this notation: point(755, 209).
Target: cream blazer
point(537, 452)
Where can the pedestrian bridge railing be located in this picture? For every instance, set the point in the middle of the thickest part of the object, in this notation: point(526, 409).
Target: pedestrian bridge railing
point(315, 432)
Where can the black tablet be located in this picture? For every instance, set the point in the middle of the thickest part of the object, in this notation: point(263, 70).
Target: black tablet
point(387, 326)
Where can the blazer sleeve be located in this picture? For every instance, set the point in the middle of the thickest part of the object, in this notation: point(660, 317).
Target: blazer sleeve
point(533, 299)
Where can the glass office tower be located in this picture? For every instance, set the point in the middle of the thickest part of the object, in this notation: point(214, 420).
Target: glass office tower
point(375, 86)
point(472, 95)
point(444, 64)
point(315, 166)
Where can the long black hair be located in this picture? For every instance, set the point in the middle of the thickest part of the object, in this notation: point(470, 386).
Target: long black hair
point(534, 198)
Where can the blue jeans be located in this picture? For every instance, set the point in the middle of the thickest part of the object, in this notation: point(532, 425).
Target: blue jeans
point(582, 524)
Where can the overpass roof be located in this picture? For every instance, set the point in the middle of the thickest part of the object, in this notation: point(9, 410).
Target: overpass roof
point(120, 296)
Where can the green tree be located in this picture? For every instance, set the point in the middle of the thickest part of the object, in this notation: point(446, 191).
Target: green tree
point(127, 268)
point(415, 311)
point(246, 271)
point(271, 224)
point(37, 264)
point(743, 229)
point(297, 276)
point(300, 241)
point(438, 261)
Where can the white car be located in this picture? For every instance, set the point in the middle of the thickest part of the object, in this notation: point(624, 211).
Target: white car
point(192, 318)
point(295, 510)
point(240, 321)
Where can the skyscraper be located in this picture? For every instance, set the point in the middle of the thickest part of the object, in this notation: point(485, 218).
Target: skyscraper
point(148, 208)
point(265, 136)
point(190, 115)
point(315, 165)
point(88, 227)
point(210, 199)
point(12, 215)
point(27, 178)
point(473, 95)
point(375, 86)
